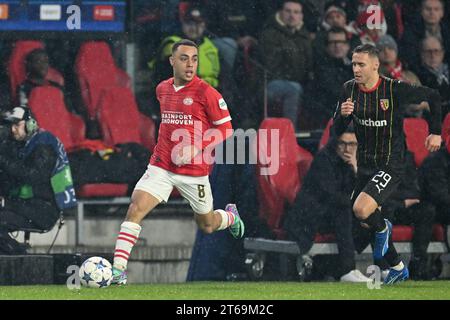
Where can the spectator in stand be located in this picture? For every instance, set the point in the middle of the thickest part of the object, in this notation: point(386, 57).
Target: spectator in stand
point(234, 25)
point(193, 27)
point(394, 19)
point(434, 177)
point(370, 25)
point(430, 24)
point(334, 17)
point(36, 67)
point(434, 71)
point(390, 65)
point(287, 55)
point(330, 71)
point(323, 204)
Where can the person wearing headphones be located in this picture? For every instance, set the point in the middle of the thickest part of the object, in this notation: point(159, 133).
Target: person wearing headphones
point(35, 177)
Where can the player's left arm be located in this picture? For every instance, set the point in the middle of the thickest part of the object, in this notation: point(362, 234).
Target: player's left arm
point(219, 117)
point(412, 94)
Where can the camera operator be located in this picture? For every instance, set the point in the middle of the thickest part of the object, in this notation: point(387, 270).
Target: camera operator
point(35, 177)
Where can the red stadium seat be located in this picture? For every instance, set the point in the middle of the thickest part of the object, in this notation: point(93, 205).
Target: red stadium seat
point(416, 132)
point(120, 120)
point(402, 233)
point(446, 127)
point(325, 238)
point(439, 233)
point(47, 105)
point(16, 65)
point(304, 162)
point(96, 71)
point(118, 117)
point(326, 134)
point(282, 187)
point(123, 79)
point(147, 130)
point(102, 190)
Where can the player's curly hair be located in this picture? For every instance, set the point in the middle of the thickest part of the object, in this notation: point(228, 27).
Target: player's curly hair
point(183, 42)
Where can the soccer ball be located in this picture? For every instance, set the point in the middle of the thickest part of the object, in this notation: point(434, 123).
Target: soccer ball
point(96, 272)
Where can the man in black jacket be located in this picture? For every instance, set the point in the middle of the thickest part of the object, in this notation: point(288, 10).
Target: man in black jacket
point(434, 175)
point(286, 53)
point(435, 183)
point(36, 181)
point(323, 203)
point(333, 69)
point(434, 71)
point(430, 23)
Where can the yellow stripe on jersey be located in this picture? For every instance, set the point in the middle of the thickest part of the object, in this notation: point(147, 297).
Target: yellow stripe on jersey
point(376, 134)
point(392, 115)
point(365, 129)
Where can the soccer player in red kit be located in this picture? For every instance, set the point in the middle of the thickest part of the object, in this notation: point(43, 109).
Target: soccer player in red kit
point(189, 107)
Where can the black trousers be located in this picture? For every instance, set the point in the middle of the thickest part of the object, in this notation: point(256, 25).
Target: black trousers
point(333, 220)
point(32, 213)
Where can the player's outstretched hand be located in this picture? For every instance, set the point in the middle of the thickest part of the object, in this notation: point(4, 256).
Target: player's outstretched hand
point(347, 108)
point(433, 142)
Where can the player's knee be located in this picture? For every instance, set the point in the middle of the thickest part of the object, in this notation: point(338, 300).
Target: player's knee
point(135, 212)
point(361, 211)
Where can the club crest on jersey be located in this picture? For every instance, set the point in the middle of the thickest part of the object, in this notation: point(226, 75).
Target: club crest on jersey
point(384, 104)
point(188, 101)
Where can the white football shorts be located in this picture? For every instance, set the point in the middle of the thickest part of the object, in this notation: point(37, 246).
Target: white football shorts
point(160, 183)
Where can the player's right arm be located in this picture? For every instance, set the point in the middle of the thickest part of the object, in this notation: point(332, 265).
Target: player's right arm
point(342, 116)
point(347, 108)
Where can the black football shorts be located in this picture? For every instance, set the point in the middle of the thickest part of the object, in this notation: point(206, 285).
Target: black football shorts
point(380, 184)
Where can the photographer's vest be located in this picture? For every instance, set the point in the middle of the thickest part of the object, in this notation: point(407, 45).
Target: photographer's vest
point(61, 179)
point(208, 58)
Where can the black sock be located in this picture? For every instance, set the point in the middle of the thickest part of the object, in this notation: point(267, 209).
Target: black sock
point(391, 256)
point(375, 221)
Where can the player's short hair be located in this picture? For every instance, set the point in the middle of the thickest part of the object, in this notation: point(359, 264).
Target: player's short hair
point(183, 42)
point(370, 49)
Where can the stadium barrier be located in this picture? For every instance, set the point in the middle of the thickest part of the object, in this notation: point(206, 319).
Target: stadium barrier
point(258, 248)
point(111, 201)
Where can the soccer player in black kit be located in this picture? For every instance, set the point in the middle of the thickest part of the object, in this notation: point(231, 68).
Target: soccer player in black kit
point(375, 104)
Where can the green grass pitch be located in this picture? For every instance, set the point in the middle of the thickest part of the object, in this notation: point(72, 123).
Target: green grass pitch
point(432, 290)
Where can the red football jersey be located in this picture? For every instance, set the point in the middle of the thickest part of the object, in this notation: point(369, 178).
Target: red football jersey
point(185, 115)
